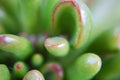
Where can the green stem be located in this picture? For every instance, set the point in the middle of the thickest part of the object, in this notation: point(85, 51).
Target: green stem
point(8, 22)
point(30, 13)
point(11, 7)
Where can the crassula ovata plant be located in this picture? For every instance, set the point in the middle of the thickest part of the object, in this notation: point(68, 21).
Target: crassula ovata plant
point(59, 40)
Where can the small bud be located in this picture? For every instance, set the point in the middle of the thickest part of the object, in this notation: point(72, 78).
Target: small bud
point(34, 75)
point(20, 69)
point(57, 46)
point(53, 70)
point(85, 67)
point(37, 60)
point(4, 72)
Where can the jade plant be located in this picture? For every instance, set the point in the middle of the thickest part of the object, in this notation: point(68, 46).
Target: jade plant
point(59, 40)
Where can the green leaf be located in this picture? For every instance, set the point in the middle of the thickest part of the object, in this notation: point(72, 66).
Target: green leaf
point(4, 72)
point(73, 19)
point(57, 46)
point(84, 68)
point(15, 45)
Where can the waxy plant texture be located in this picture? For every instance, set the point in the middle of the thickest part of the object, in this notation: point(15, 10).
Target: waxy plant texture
point(59, 40)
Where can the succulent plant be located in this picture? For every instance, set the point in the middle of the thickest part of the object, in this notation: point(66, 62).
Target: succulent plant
point(59, 39)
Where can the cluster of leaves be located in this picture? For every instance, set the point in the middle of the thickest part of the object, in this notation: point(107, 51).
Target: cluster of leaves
point(59, 39)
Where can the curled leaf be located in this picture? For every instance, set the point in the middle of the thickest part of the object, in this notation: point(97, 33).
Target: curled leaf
point(72, 18)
